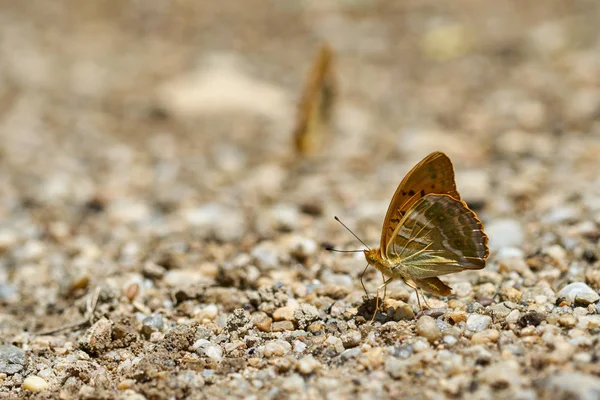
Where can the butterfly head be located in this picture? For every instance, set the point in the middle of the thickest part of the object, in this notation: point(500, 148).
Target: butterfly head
point(374, 258)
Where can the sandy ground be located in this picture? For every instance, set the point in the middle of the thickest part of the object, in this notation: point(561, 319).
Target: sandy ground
point(158, 240)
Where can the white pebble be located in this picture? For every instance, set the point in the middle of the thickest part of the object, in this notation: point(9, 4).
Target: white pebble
point(35, 384)
point(307, 365)
point(277, 348)
point(580, 292)
point(299, 346)
point(478, 323)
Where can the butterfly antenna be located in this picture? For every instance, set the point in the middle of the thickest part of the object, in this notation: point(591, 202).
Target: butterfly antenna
point(353, 234)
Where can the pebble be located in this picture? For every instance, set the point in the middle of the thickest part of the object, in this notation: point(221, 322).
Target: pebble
point(420, 345)
point(351, 339)
point(427, 328)
point(266, 255)
point(98, 337)
point(35, 384)
point(299, 246)
point(478, 323)
point(336, 343)
point(151, 324)
point(351, 353)
point(306, 314)
point(217, 220)
point(284, 313)
point(281, 326)
point(567, 320)
point(283, 217)
point(398, 310)
point(277, 348)
point(485, 337)
point(532, 318)
point(298, 346)
point(214, 352)
point(572, 385)
point(513, 316)
point(307, 365)
point(579, 293)
point(397, 367)
point(12, 359)
point(450, 340)
point(504, 233)
point(501, 375)
point(263, 323)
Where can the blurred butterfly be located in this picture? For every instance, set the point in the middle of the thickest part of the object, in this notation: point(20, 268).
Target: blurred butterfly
point(315, 108)
point(428, 231)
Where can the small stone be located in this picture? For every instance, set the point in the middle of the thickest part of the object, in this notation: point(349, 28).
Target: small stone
point(398, 310)
point(12, 359)
point(277, 348)
point(217, 220)
point(35, 384)
point(284, 313)
point(214, 352)
point(572, 385)
point(300, 246)
point(307, 365)
point(305, 315)
point(449, 340)
point(478, 323)
point(420, 345)
point(533, 318)
point(579, 293)
point(502, 375)
point(298, 346)
point(485, 337)
point(513, 316)
point(336, 343)
point(126, 384)
point(263, 322)
point(458, 316)
point(504, 233)
point(351, 339)
point(151, 324)
point(567, 320)
point(397, 367)
point(266, 255)
point(98, 337)
point(427, 328)
point(350, 353)
point(281, 326)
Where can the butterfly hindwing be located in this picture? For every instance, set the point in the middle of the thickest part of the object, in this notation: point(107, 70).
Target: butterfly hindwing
point(433, 175)
point(438, 235)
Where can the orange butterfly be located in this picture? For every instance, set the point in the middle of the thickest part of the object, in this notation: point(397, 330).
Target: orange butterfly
point(428, 231)
point(316, 105)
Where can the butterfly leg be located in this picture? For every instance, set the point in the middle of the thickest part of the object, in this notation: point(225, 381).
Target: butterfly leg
point(385, 287)
point(425, 299)
point(382, 286)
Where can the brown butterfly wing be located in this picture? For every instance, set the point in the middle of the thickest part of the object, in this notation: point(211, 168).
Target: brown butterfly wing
point(316, 105)
point(434, 174)
point(439, 235)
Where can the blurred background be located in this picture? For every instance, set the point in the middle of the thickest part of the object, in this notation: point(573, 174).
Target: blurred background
point(124, 123)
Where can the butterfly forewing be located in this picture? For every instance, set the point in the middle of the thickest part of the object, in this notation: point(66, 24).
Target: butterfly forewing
point(433, 175)
point(438, 235)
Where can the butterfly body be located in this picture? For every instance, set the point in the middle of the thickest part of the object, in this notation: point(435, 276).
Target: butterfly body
point(428, 230)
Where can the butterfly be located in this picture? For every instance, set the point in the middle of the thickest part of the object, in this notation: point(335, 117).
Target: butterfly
point(315, 108)
point(428, 231)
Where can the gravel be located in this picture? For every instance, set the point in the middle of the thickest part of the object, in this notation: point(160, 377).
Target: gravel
point(160, 238)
